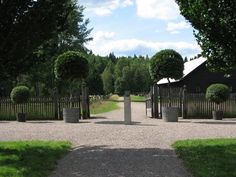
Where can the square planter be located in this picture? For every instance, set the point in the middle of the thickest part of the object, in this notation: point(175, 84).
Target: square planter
point(71, 115)
point(170, 114)
point(21, 117)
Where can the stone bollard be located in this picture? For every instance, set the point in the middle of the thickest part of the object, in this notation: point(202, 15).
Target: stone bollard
point(127, 108)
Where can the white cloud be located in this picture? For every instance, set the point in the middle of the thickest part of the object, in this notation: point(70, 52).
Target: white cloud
point(176, 27)
point(104, 43)
point(159, 9)
point(101, 36)
point(126, 3)
point(105, 7)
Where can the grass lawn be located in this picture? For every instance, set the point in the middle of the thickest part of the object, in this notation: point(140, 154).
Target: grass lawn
point(30, 158)
point(208, 158)
point(136, 98)
point(103, 106)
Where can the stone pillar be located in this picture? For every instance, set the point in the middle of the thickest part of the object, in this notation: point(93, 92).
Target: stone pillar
point(127, 108)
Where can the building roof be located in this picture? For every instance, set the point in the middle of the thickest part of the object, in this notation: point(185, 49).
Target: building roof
point(189, 67)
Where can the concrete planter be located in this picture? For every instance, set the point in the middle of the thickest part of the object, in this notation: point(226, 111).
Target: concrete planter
point(170, 114)
point(21, 117)
point(217, 115)
point(71, 115)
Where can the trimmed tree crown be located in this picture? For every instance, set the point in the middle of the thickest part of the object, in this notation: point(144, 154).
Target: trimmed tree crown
point(217, 93)
point(71, 66)
point(166, 64)
point(20, 94)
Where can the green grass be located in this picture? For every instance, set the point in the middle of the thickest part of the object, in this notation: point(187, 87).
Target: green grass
point(30, 158)
point(208, 158)
point(103, 106)
point(136, 98)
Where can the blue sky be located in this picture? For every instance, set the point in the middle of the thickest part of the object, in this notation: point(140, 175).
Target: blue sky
point(141, 27)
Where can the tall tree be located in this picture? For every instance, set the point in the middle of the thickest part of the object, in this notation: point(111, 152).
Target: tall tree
point(73, 37)
point(108, 78)
point(24, 26)
point(215, 24)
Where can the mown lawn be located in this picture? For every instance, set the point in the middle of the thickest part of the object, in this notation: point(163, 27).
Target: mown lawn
point(208, 158)
point(103, 106)
point(30, 158)
point(136, 98)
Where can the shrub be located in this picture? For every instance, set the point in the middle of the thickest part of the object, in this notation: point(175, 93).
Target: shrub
point(71, 66)
point(217, 93)
point(166, 64)
point(20, 94)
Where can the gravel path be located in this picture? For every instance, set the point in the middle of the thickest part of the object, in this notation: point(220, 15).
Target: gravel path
point(104, 146)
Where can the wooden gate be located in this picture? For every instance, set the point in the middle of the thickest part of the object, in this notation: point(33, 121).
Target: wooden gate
point(158, 98)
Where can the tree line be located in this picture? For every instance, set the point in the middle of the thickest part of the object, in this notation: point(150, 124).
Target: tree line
point(34, 33)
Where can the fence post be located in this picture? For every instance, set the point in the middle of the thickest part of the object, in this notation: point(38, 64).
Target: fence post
point(184, 103)
point(152, 102)
point(88, 101)
point(155, 101)
point(85, 102)
point(55, 101)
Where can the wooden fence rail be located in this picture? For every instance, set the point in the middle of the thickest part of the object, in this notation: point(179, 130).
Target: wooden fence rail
point(49, 108)
point(191, 105)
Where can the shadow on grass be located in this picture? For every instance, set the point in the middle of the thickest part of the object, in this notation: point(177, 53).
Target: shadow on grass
point(29, 159)
point(99, 161)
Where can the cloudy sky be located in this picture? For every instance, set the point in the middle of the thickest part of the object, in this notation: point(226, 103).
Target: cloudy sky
point(141, 27)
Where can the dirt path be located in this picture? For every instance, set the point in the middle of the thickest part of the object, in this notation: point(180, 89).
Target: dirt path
point(104, 146)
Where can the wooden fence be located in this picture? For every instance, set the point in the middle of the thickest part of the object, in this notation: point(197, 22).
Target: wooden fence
point(191, 105)
point(48, 108)
point(198, 107)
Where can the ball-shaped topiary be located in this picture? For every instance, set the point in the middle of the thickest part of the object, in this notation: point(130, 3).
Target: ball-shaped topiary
point(166, 64)
point(217, 93)
point(71, 66)
point(20, 94)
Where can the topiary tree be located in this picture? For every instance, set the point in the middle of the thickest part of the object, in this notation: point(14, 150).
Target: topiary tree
point(167, 64)
point(217, 93)
point(71, 66)
point(20, 95)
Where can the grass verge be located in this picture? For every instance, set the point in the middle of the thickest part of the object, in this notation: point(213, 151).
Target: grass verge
point(208, 158)
point(136, 98)
point(103, 106)
point(30, 158)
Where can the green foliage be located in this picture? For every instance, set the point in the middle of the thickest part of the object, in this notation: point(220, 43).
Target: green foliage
point(71, 66)
point(108, 78)
point(208, 158)
point(94, 82)
point(25, 25)
point(217, 93)
point(120, 86)
point(132, 74)
point(30, 158)
point(215, 28)
point(166, 64)
point(20, 94)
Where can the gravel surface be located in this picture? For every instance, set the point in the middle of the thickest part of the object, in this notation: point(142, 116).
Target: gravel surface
point(104, 146)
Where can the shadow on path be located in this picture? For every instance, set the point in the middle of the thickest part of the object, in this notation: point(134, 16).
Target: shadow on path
point(99, 161)
point(122, 123)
